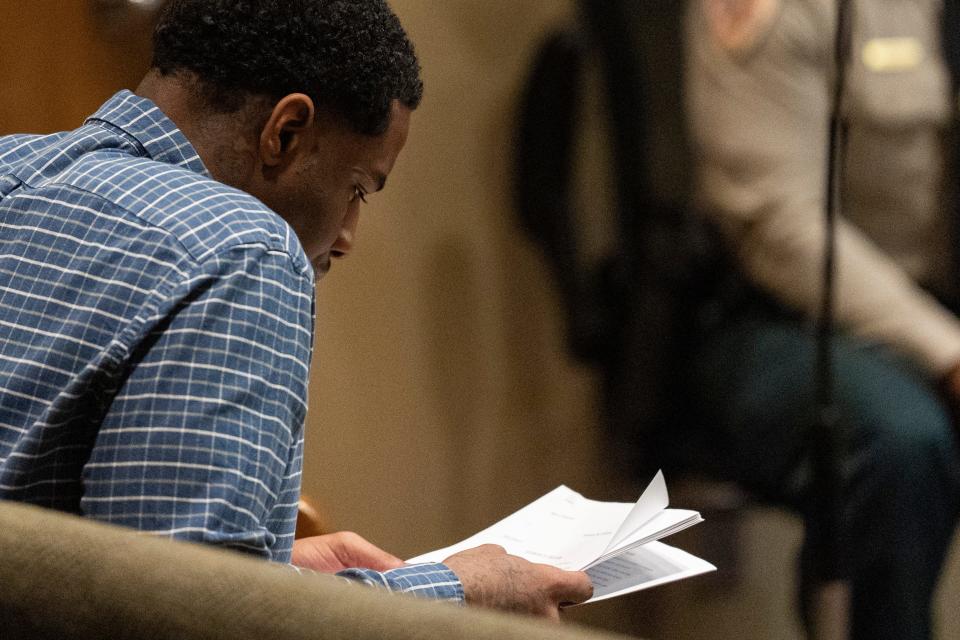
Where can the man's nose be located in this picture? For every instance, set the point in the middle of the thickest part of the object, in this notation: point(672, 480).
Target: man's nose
point(348, 232)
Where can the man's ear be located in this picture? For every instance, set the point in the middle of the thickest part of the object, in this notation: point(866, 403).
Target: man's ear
point(285, 132)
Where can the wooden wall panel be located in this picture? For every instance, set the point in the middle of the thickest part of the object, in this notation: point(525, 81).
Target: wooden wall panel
point(60, 59)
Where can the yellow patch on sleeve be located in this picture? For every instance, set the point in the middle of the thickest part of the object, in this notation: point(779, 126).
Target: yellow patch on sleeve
point(888, 55)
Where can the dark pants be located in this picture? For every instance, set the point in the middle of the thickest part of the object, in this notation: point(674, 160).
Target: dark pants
point(754, 383)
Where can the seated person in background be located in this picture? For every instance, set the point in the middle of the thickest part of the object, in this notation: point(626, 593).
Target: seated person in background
point(157, 306)
point(760, 83)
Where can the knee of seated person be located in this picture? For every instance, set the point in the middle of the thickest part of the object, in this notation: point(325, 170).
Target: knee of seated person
point(912, 436)
point(891, 400)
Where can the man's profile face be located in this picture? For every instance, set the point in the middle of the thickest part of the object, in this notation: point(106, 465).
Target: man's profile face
point(320, 196)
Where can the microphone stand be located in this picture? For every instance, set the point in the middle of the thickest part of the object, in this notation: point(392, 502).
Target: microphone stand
point(830, 598)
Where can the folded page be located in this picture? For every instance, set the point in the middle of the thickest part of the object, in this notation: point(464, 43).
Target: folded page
point(561, 528)
point(661, 525)
point(653, 500)
point(652, 564)
point(610, 540)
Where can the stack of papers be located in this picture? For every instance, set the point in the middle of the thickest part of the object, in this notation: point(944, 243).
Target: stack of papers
point(614, 542)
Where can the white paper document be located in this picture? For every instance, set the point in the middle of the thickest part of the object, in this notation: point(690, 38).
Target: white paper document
point(614, 542)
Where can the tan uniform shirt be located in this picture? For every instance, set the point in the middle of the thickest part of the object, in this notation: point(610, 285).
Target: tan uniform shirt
point(759, 107)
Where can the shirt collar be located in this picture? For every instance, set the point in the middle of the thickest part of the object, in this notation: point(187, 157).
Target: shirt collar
point(142, 120)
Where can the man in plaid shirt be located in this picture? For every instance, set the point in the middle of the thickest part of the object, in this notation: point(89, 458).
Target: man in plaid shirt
point(157, 270)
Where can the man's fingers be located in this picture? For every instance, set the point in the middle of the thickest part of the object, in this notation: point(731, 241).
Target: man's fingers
point(379, 560)
point(334, 552)
point(355, 551)
point(575, 587)
point(552, 614)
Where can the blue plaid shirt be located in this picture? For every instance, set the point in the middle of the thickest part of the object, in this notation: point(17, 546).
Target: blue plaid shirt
point(156, 329)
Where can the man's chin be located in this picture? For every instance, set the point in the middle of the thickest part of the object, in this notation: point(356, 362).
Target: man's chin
point(321, 266)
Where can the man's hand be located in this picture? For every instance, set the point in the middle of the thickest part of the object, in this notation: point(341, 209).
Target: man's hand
point(492, 578)
point(338, 551)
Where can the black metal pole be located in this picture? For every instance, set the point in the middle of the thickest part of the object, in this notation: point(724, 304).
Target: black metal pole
point(830, 592)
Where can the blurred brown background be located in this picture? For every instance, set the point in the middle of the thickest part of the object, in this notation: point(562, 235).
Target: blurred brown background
point(442, 397)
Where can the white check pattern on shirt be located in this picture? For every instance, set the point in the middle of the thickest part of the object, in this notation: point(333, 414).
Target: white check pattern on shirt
point(155, 339)
point(155, 336)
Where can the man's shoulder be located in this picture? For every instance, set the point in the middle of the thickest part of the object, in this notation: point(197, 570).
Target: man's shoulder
point(205, 216)
point(15, 148)
point(101, 167)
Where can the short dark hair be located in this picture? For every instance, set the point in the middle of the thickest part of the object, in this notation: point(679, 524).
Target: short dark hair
point(351, 56)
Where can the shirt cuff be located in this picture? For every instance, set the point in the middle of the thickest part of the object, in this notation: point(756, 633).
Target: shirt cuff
point(430, 580)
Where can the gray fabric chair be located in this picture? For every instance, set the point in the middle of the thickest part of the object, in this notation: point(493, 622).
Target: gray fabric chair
point(66, 577)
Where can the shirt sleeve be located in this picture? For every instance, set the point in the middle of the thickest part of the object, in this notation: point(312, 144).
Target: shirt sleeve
point(431, 580)
point(203, 438)
point(759, 121)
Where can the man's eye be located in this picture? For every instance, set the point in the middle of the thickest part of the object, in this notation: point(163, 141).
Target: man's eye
point(358, 194)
